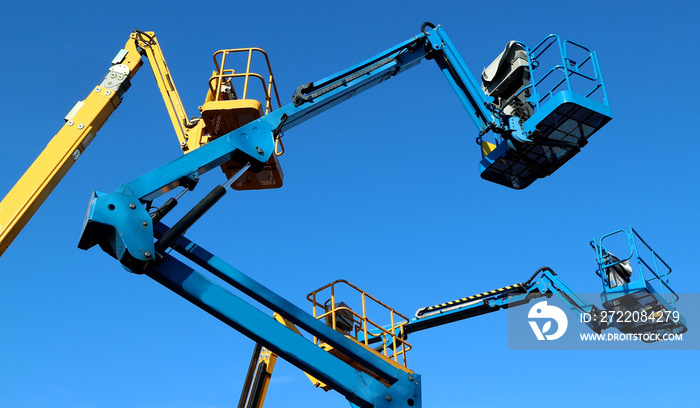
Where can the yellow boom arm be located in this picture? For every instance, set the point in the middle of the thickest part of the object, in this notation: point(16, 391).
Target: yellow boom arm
point(190, 134)
point(82, 124)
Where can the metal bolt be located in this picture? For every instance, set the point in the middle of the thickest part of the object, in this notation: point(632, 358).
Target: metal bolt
point(147, 254)
point(98, 89)
point(410, 378)
point(108, 92)
point(260, 151)
point(388, 397)
point(80, 126)
point(145, 224)
point(113, 75)
point(70, 123)
point(132, 206)
point(183, 143)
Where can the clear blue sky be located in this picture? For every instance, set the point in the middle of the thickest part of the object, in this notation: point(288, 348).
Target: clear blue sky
point(383, 191)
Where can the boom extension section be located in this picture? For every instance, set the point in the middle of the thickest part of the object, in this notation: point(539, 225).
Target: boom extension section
point(544, 283)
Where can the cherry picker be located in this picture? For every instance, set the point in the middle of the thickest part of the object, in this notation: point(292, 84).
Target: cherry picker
point(88, 116)
point(636, 300)
point(531, 119)
point(535, 109)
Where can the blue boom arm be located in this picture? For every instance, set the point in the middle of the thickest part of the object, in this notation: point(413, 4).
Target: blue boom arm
point(313, 98)
point(635, 283)
point(545, 282)
point(381, 385)
point(254, 142)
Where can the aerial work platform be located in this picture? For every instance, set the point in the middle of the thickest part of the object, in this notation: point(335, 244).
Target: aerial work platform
point(556, 94)
point(225, 111)
point(636, 299)
point(636, 289)
point(534, 133)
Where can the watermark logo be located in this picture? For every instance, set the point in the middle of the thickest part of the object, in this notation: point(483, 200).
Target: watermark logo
point(542, 310)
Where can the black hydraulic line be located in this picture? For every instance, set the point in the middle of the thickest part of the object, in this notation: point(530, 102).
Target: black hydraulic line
point(140, 33)
point(190, 124)
point(169, 238)
point(164, 209)
point(249, 375)
point(307, 92)
point(534, 275)
point(426, 24)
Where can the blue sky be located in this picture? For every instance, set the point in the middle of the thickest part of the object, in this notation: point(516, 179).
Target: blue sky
point(383, 191)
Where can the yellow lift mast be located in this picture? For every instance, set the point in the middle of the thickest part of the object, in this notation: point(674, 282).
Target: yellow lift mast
point(222, 112)
point(82, 123)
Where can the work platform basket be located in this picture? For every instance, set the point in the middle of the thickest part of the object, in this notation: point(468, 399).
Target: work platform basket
point(556, 91)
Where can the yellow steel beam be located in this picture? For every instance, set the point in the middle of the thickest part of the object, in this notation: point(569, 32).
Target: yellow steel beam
point(254, 395)
point(316, 382)
point(146, 40)
point(82, 124)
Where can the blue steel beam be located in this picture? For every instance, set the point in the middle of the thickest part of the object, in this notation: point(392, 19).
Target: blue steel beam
point(463, 82)
point(288, 310)
point(254, 140)
point(358, 387)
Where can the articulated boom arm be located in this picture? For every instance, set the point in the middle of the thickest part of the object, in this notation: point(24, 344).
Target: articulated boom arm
point(254, 143)
point(82, 124)
point(313, 98)
point(150, 47)
point(623, 295)
point(121, 224)
point(543, 283)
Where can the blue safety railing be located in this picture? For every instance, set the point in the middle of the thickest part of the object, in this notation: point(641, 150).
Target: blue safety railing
point(650, 269)
point(581, 75)
point(560, 105)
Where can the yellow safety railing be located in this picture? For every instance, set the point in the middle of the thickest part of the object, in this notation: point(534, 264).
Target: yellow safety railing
point(356, 323)
point(224, 76)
